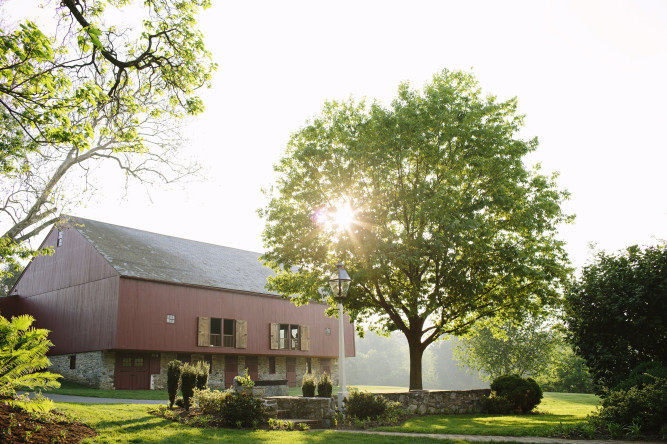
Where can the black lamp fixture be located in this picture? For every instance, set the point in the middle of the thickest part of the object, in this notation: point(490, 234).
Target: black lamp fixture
point(340, 282)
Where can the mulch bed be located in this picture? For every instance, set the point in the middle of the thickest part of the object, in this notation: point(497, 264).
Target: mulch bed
point(53, 427)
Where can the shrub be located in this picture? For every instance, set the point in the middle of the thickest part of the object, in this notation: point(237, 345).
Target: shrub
point(241, 410)
point(364, 405)
point(201, 379)
point(645, 373)
point(642, 408)
point(497, 404)
point(188, 383)
point(308, 385)
point(324, 386)
point(173, 380)
point(244, 381)
point(522, 394)
point(210, 401)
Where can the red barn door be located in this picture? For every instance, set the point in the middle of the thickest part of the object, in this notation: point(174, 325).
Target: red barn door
point(132, 371)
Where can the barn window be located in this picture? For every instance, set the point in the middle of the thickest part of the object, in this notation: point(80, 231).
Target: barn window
point(295, 343)
point(309, 366)
point(229, 333)
point(171, 319)
point(272, 365)
point(72, 362)
point(59, 242)
point(284, 335)
point(218, 332)
point(290, 337)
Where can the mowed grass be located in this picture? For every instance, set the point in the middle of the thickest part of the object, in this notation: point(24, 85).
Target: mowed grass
point(555, 409)
point(122, 423)
point(74, 389)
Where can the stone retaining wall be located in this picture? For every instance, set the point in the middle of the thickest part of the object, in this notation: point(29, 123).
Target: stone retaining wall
point(441, 401)
point(299, 407)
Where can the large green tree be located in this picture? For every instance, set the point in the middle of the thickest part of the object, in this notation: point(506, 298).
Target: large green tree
point(616, 312)
point(91, 93)
point(525, 348)
point(446, 224)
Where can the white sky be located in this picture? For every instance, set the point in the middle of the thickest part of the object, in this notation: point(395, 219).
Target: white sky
point(589, 75)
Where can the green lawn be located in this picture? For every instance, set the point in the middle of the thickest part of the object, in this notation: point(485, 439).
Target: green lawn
point(556, 408)
point(131, 423)
point(72, 388)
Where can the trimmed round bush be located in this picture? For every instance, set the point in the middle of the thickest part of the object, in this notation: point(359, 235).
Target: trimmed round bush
point(521, 394)
point(241, 410)
point(363, 405)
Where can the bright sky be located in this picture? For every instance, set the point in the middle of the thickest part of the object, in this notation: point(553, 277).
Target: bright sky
point(589, 75)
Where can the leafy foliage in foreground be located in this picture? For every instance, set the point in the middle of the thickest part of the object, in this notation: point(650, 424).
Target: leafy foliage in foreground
point(22, 361)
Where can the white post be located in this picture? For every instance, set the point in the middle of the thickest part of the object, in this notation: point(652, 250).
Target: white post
point(342, 387)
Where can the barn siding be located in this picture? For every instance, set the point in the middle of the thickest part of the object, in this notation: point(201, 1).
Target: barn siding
point(143, 307)
point(72, 293)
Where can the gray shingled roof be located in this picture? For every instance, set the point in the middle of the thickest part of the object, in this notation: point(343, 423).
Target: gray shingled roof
point(146, 255)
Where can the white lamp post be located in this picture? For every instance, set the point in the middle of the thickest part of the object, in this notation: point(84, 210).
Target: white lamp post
point(340, 282)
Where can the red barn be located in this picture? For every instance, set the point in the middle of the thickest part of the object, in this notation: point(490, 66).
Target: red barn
point(121, 303)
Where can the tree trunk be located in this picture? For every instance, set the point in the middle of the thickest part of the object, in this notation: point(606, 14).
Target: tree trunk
point(416, 353)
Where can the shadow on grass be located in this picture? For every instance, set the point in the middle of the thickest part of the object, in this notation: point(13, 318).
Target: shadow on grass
point(496, 425)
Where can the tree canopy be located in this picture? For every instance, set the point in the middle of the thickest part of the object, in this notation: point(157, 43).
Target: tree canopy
point(510, 348)
point(428, 204)
point(616, 312)
point(93, 92)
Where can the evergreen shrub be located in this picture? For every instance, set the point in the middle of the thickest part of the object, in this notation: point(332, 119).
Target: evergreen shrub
point(308, 385)
point(521, 394)
point(364, 405)
point(239, 409)
point(324, 386)
point(173, 380)
point(201, 380)
point(189, 374)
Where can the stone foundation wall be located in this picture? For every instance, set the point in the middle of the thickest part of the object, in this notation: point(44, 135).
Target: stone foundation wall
point(444, 401)
point(94, 369)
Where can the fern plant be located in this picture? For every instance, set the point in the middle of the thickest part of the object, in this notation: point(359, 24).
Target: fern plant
point(22, 358)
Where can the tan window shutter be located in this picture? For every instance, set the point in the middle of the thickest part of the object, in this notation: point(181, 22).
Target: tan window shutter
point(241, 334)
point(204, 332)
point(305, 338)
point(275, 334)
